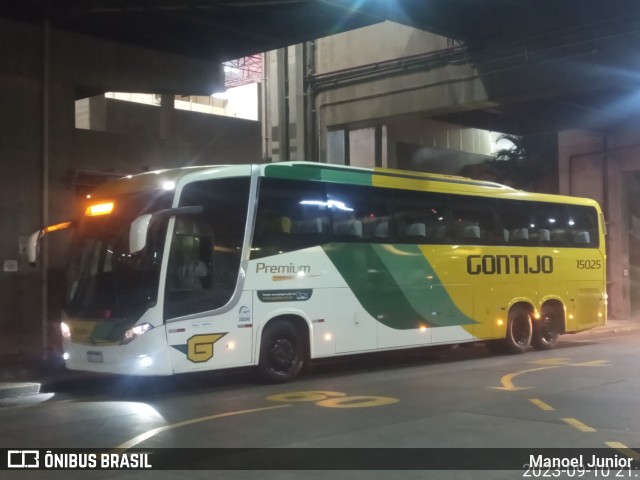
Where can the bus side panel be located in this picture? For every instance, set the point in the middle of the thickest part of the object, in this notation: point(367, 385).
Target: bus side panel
point(213, 341)
point(305, 283)
point(589, 307)
point(489, 309)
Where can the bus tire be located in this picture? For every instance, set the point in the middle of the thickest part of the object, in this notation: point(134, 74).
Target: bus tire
point(519, 330)
point(546, 330)
point(282, 353)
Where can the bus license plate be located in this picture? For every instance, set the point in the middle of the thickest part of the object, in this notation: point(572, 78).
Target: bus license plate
point(95, 357)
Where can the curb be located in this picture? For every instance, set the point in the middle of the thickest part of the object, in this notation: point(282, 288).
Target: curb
point(18, 389)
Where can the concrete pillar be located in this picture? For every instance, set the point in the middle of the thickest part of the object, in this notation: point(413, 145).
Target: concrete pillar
point(167, 117)
point(595, 166)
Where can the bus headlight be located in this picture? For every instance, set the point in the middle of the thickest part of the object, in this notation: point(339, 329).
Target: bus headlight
point(134, 332)
point(66, 331)
point(145, 361)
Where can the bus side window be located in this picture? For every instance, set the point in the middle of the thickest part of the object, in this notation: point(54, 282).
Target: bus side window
point(475, 221)
point(291, 215)
point(518, 222)
point(205, 253)
point(582, 223)
point(356, 211)
point(421, 217)
point(191, 257)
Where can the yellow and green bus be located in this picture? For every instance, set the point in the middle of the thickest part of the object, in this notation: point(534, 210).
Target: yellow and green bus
point(274, 265)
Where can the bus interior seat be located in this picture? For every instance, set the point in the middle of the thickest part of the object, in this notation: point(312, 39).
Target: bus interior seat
point(581, 238)
point(415, 232)
point(471, 232)
point(558, 235)
point(544, 235)
point(520, 235)
point(309, 225)
point(349, 229)
point(437, 232)
point(381, 230)
point(277, 225)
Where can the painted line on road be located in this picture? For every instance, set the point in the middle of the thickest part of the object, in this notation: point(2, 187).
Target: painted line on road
point(579, 425)
point(151, 433)
point(622, 448)
point(540, 404)
point(507, 380)
point(356, 402)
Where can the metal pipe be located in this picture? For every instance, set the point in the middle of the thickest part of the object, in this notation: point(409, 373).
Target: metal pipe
point(264, 113)
point(45, 185)
point(283, 103)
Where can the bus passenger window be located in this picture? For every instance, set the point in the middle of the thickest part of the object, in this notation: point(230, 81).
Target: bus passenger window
point(204, 258)
point(291, 216)
point(356, 211)
point(518, 222)
point(582, 222)
point(475, 221)
point(421, 216)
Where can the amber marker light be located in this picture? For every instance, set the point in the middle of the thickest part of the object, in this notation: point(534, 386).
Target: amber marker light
point(99, 209)
point(57, 226)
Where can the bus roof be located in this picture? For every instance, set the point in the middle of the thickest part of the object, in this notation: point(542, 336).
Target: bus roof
point(377, 177)
point(409, 180)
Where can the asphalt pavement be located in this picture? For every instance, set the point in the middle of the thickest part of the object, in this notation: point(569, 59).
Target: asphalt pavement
point(22, 377)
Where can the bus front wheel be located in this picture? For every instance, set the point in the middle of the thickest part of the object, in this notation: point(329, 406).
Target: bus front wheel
point(282, 353)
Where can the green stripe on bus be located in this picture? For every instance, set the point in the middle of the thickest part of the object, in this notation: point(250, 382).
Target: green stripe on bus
point(373, 285)
point(390, 282)
point(420, 284)
point(319, 173)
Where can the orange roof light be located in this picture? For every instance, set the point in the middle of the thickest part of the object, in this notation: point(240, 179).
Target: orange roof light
point(58, 226)
point(99, 209)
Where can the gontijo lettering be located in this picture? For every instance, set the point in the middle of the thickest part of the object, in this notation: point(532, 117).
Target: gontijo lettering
point(506, 264)
point(291, 268)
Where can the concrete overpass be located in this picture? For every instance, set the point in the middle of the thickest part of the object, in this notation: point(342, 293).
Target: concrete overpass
point(542, 62)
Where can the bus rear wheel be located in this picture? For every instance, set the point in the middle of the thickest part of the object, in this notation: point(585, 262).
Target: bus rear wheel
point(519, 330)
point(282, 354)
point(546, 330)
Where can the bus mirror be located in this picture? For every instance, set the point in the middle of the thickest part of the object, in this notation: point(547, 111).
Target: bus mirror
point(34, 240)
point(138, 233)
point(32, 247)
point(139, 230)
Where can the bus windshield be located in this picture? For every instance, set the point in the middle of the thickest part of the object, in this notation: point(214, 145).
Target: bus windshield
point(103, 279)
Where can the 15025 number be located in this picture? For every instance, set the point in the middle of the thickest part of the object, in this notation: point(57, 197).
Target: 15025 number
point(589, 264)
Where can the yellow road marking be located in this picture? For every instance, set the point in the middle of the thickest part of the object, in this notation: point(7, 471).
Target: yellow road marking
point(151, 433)
point(540, 404)
point(507, 380)
point(552, 361)
point(593, 363)
point(307, 396)
point(622, 448)
point(356, 402)
point(578, 424)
